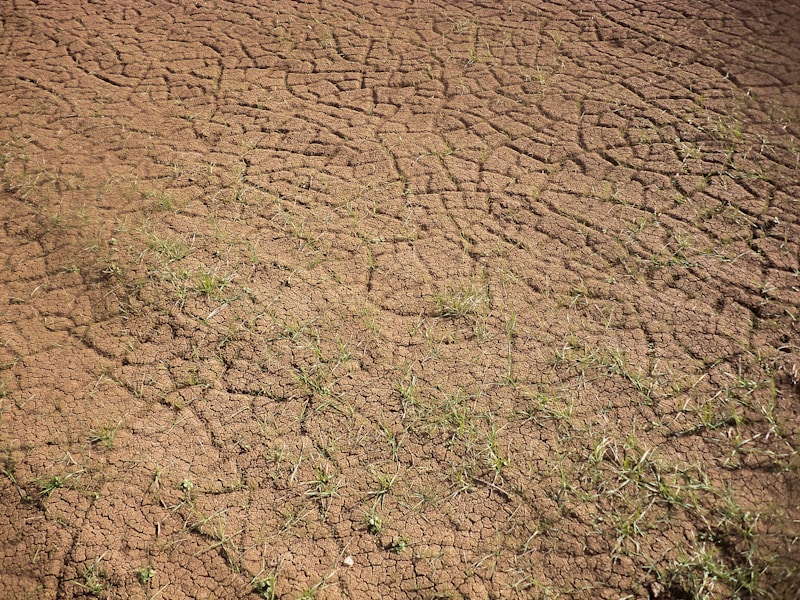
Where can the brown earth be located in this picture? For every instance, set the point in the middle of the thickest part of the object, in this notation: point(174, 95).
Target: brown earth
point(399, 299)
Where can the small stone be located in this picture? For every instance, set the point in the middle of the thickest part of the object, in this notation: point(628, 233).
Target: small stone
point(348, 561)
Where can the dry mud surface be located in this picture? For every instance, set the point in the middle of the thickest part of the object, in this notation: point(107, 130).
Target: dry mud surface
point(399, 299)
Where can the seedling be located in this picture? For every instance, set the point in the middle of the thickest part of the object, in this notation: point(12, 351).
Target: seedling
point(399, 545)
point(105, 434)
point(265, 586)
point(312, 591)
point(407, 389)
point(385, 482)
point(93, 578)
point(51, 484)
point(323, 487)
point(314, 381)
point(373, 521)
point(186, 487)
point(212, 284)
point(145, 574)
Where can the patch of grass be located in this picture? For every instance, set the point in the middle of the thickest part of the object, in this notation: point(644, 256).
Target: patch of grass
point(701, 573)
point(385, 483)
point(291, 518)
point(393, 439)
point(497, 459)
point(406, 388)
point(187, 487)
point(462, 302)
point(314, 381)
point(311, 592)
point(8, 465)
point(608, 192)
point(323, 487)
point(50, 484)
point(166, 202)
point(105, 434)
point(93, 578)
point(212, 284)
point(170, 250)
point(456, 416)
point(222, 541)
point(542, 405)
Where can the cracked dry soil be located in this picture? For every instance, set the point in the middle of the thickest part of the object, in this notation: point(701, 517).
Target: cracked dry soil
point(395, 299)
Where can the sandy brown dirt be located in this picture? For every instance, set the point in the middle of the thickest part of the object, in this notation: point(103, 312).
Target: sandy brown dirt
point(399, 299)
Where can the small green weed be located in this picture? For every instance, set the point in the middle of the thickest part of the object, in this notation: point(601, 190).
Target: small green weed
point(166, 202)
point(105, 434)
point(373, 522)
point(399, 545)
point(145, 574)
point(407, 390)
point(311, 592)
point(385, 483)
point(323, 488)
point(93, 578)
point(51, 484)
point(212, 284)
point(265, 586)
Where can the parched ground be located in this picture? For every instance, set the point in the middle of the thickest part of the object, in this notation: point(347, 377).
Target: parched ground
point(399, 299)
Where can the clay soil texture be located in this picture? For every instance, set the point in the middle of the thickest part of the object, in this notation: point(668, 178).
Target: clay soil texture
point(399, 299)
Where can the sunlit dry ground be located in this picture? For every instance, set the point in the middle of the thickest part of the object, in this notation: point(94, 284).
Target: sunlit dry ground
point(399, 300)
